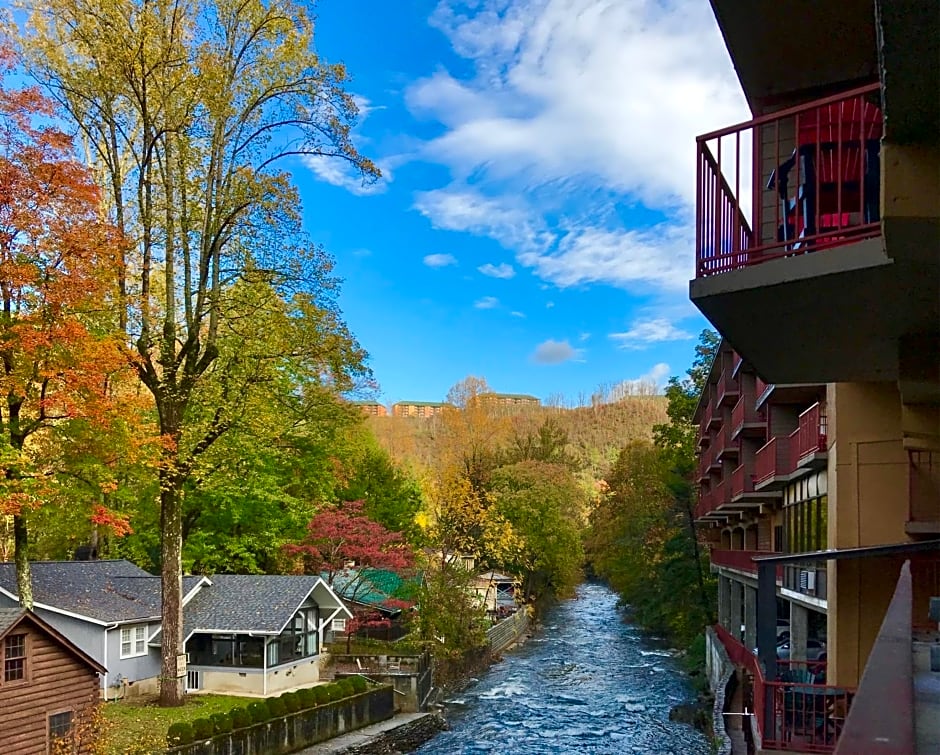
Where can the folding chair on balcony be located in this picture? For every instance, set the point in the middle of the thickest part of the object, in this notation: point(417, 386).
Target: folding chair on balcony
point(839, 174)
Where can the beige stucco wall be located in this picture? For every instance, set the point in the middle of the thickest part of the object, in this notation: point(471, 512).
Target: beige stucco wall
point(252, 682)
point(868, 505)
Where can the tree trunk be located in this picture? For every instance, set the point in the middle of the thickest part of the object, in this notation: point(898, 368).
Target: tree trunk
point(24, 582)
point(173, 666)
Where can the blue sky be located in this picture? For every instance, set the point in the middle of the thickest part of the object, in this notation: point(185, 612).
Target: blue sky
point(534, 224)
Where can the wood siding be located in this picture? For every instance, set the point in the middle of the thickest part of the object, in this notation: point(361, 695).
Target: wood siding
point(57, 681)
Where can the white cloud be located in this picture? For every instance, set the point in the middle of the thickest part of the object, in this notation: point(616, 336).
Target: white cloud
point(583, 337)
point(554, 352)
point(439, 260)
point(642, 333)
point(580, 114)
point(339, 172)
point(516, 313)
point(487, 302)
point(650, 382)
point(501, 270)
point(549, 304)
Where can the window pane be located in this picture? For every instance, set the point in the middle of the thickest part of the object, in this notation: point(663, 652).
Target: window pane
point(60, 725)
point(14, 664)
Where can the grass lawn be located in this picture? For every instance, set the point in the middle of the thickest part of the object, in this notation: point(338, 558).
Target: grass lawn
point(139, 726)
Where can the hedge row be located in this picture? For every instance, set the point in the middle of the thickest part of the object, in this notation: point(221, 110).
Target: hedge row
point(260, 711)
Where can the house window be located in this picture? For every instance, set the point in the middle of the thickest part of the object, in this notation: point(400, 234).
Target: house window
point(338, 625)
point(14, 658)
point(60, 726)
point(133, 641)
point(300, 638)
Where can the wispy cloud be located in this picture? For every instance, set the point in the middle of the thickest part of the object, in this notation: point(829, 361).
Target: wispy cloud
point(555, 352)
point(439, 260)
point(487, 302)
point(642, 333)
point(502, 270)
point(650, 382)
point(546, 147)
point(517, 313)
point(339, 172)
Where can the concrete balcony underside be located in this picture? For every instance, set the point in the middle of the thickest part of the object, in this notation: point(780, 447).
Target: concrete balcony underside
point(829, 316)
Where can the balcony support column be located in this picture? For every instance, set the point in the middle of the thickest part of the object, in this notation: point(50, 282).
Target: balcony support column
point(724, 602)
point(767, 628)
point(736, 619)
point(750, 616)
point(799, 631)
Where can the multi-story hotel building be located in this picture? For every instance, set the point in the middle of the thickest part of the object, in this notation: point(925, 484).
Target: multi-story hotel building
point(818, 260)
point(418, 408)
point(372, 408)
point(510, 399)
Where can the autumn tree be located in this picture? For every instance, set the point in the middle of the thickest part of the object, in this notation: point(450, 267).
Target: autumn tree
point(58, 261)
point(342, 535)
point(188, 110)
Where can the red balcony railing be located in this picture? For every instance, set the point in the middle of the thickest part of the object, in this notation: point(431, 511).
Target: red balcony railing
point(798, 180)
point(772, 460)
point(812, 431)
point(741, 482)
point(727, 387)
point(760, 388)
point(744, 413)
point(712, 500)
point(807, 717)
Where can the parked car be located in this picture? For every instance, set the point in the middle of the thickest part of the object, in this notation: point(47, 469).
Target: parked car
point(814, 649)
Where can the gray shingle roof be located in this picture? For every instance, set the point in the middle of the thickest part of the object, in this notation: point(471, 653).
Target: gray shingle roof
point(8, 617)
point(110, 591)
point(247, 603)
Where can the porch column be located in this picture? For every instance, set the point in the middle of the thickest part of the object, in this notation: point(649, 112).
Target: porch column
point(750, 617)
point(799, 631)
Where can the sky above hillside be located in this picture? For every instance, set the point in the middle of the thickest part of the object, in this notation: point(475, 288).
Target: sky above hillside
point(534, 220)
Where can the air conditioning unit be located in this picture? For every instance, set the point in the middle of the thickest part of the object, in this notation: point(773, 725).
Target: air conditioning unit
point(808, 580)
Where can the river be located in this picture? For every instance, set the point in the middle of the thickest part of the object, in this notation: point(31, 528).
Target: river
point(588, 682)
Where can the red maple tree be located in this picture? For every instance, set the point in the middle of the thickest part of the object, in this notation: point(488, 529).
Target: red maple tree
point(343, 539)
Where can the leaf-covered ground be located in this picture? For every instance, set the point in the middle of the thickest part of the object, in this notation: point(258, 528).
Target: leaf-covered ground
point(139, 725)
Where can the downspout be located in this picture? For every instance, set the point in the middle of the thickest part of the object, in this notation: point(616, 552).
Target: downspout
point(104, 658)
point(264, 670)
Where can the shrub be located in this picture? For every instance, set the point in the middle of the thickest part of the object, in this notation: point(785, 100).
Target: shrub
point(179, 733)
point(359, 684)
point(240, 718)
point(259, 712)
point(345, 687)
point(308, 697)
point(202, 729)
point(221, 722)
point(276, 707)
point(292, 701)
point(321, 694)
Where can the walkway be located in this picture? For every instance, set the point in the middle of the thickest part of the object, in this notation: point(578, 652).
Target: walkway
point(359, 737)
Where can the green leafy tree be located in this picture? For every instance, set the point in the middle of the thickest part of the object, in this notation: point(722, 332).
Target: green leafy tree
point(189, 109)
point(542, 502)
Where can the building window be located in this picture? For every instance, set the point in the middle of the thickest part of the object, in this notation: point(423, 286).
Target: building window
point(60, 727)
point(300, 638)
point(805, 525)
point(133, 641)
point(14, 658)
point(338, 625)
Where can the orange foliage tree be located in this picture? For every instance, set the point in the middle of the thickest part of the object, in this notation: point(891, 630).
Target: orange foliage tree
point(58, 264)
